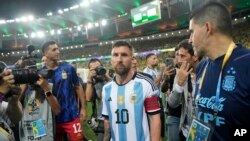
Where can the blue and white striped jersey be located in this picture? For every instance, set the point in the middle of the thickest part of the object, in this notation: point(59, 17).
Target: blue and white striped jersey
point(126, 106)
point(151, 72)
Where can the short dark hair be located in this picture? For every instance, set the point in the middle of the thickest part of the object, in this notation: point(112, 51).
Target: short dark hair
point(92, 60)
point(46, 45)
point(149, 55)
point(123, 43)
point(176, 48)
point(187, 46)
point(215, 12)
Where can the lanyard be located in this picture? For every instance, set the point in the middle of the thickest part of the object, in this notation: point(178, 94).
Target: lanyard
point(217, 97)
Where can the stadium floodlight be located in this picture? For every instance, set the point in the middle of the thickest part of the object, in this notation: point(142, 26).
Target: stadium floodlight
point(85, 3)
point(30, 18)
point(17, 20)
point(90, 25)
point(2, 21)
point(10, 21)
point(59, 32)
point(60, 11)
point(104, 22)
point(52, 32)
point(26, 36)
point(24, 19)
point(40, 34)
point(66, 9)
point(33, 35)
point(79, 28)
point(50, 14)
point(74, 7)
point(96, 24)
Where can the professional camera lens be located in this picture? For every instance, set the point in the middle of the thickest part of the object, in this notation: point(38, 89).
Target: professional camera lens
point(100, 70)
point(30, 75)
point(23, 76)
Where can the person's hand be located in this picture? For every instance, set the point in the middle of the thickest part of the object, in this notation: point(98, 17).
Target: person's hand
point(92, 73)
point(183, 73)
point(14, 92)
point(169, 70)
point(43, 83)
point(6, 81)
point(83, 115)
point(162, 67)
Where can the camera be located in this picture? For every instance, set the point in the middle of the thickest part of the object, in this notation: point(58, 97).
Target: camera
point(100, 70)
point(28, 75)
point(92, 123)
point(96, 125)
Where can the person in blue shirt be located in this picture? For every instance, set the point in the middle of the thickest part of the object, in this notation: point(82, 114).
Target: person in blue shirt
point(222, 96)
point(66, 87)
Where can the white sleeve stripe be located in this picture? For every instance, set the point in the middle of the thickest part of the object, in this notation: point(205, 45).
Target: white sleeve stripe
point(155, 110)
point(147, 79)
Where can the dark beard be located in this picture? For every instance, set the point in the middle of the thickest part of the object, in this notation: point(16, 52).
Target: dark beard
point(122, 72)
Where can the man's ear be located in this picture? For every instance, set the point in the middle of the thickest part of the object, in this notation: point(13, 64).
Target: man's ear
point(209, 28)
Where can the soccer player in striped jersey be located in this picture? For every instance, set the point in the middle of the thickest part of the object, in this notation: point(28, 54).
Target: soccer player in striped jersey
point(130, 101)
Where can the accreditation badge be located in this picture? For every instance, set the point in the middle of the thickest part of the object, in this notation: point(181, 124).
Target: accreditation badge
point(38, 128)
point(198, 131)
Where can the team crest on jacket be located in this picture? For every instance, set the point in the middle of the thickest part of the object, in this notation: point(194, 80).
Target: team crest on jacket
point(229, 83)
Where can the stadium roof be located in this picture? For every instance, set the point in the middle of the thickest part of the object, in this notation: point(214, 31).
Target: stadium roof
point(21, 17)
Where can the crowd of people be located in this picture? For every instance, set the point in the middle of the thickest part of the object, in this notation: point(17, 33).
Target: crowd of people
point(203, 81)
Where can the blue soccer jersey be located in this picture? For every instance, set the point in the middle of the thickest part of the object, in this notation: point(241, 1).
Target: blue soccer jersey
point(64, 80)
point(234, 99)
point(126, 107)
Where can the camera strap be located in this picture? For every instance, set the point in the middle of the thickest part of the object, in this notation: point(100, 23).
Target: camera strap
point(5, 130)
point(6, 134)
point(94, 98)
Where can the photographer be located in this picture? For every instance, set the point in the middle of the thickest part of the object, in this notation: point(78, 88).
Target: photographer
point(97, 78)
point(39, 103)
point(11, 111)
